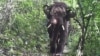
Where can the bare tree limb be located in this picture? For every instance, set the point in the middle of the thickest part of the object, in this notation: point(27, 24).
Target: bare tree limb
point(78, 22)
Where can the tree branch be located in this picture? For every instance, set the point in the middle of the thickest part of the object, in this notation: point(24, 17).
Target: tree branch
point(78, 22)
point(82, 14)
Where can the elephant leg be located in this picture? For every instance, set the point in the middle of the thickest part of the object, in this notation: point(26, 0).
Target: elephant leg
point(53, 42)
point(61, 44)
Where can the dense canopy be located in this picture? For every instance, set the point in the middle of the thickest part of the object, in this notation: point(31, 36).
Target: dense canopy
point(23, 30)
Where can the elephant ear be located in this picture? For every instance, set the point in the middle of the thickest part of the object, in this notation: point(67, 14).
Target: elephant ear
point(69, 14)
point(46, 9)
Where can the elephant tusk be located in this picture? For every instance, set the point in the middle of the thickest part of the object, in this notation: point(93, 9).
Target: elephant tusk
point(63, 27)
point(49, 26)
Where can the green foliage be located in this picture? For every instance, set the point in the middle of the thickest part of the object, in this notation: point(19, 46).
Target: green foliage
point(26, 30)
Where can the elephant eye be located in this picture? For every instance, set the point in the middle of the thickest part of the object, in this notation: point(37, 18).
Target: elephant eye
point(55, 13)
